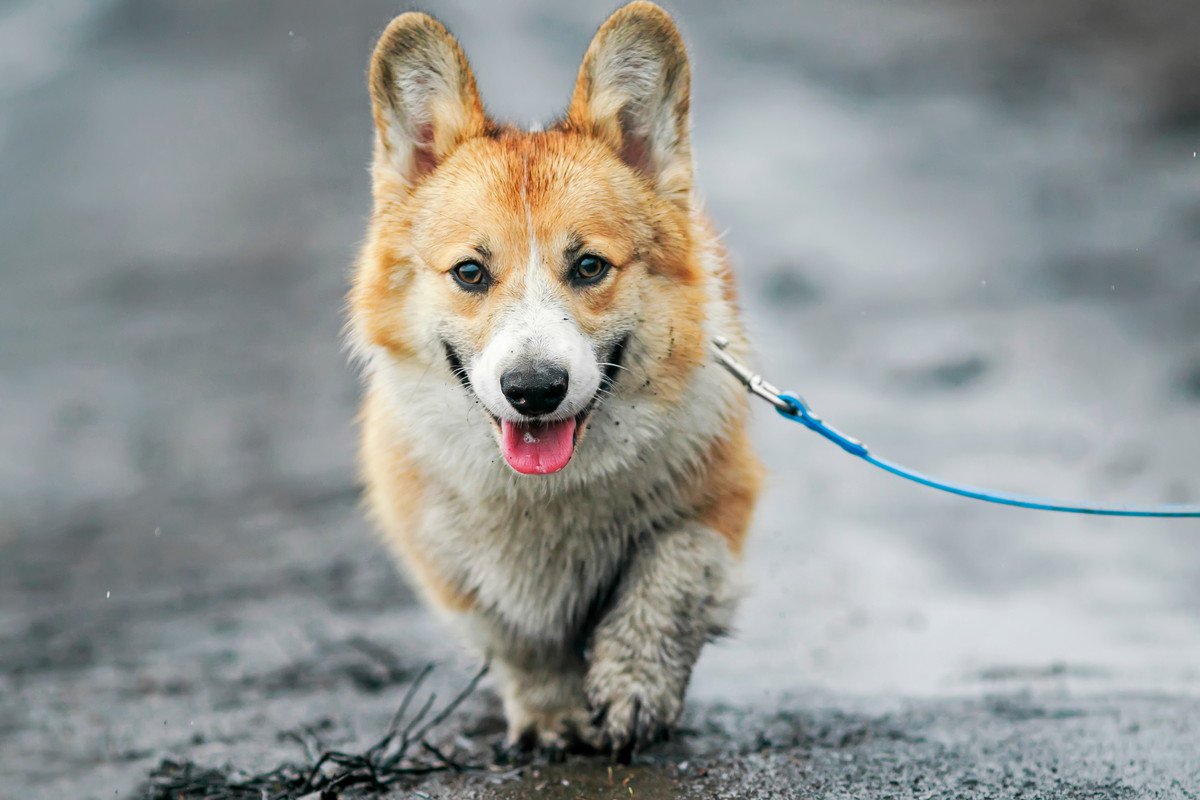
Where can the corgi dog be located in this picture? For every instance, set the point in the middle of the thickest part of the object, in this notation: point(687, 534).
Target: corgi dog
point(546, 443)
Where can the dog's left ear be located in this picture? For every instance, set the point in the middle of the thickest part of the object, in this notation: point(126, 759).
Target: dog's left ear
point(633, 92)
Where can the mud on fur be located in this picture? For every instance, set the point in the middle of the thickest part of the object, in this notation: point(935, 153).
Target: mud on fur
point(544, 447)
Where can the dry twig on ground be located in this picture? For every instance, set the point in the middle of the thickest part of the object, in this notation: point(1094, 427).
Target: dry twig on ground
point(390, 760)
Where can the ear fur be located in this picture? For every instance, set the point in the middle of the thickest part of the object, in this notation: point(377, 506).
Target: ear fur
point(423, 95)
point(634, 92)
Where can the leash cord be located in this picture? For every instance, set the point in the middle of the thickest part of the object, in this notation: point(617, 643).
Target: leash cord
point(791, 406)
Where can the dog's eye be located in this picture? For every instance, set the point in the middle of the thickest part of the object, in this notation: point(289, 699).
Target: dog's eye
point(471, 276)
point(588, 269)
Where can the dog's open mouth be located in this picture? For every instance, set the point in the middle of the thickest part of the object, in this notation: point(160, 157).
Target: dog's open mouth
point(537, 446)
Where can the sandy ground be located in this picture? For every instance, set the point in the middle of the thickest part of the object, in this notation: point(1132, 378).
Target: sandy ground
point(966, 232)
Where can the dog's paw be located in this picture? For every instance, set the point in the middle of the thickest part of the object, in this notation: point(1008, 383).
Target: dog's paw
point(630, 709)
point(552, 734)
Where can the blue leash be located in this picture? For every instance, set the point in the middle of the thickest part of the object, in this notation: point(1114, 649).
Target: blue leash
point(792, 406)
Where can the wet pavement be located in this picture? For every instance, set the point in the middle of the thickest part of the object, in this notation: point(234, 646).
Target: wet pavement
point(966, 233)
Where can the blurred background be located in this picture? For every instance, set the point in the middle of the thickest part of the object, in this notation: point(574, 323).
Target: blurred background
point(966, 232)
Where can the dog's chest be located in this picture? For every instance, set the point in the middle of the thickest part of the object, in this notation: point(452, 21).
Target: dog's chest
point(541, 564)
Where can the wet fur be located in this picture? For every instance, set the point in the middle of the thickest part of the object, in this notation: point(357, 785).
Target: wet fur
point(592, 589)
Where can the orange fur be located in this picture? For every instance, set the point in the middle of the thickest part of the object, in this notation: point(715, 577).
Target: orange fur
point(730, 487)
point(395, 495)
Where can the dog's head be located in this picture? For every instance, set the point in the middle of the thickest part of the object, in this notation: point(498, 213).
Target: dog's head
point(543, 271)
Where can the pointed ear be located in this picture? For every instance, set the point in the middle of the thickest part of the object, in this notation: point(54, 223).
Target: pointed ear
point(633, 92)
point(423, 95)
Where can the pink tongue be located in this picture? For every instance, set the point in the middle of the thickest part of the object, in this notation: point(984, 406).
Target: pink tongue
point(537, 448)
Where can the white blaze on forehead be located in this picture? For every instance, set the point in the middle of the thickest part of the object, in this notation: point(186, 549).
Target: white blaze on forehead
point(537, 328)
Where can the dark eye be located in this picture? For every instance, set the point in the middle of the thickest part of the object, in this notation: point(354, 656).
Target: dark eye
point(588, 269)
point(471, 276)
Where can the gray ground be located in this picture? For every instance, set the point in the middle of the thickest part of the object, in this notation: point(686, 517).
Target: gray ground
point(966, 231)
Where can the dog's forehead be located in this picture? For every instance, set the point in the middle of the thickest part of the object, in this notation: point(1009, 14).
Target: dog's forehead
point(550, 189)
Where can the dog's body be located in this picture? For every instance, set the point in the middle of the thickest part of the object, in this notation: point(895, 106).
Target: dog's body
point(539, 298)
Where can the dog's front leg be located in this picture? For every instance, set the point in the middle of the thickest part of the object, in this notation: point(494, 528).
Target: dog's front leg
point(543, 699)
point(540, 684)
point(678, 592)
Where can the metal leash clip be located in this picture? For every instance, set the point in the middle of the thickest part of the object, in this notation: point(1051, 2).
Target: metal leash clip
point(750, 379)
point(788, 404)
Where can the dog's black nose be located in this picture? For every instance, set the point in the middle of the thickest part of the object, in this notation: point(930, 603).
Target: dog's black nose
point(534, 389)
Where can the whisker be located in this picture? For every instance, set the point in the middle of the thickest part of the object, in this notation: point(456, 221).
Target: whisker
point(631, 370)
point(420, 381)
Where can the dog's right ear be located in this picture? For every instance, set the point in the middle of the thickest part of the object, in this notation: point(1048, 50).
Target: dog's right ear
point(423, 95)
